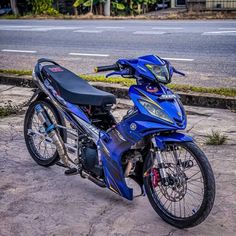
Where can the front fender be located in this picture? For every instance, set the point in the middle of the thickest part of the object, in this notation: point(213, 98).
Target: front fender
point(171, 138)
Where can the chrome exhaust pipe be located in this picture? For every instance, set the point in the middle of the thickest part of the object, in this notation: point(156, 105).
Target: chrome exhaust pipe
point(54, 136)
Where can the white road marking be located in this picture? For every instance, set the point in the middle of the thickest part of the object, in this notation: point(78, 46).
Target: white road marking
point(15, 26)
point(109, 27)
point(23, 51)
point(36, 28)
point(177, 59)
point(167, 28)
point(88, 31)
point(220, 32)
point(226, 28)
point(88, 54)
point(61, 28)
point(149, 32)
point(26, 29)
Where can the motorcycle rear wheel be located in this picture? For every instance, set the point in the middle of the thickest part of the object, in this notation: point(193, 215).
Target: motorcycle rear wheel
point(189, 201)
point(41, 152)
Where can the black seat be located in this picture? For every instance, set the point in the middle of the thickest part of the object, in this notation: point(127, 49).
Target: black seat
point(74, 89)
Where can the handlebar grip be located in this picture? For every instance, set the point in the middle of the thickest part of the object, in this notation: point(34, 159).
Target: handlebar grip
point(106, 68)
point(178, 72)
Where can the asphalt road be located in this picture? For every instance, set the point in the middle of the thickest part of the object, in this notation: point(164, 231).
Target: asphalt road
point(206, 50)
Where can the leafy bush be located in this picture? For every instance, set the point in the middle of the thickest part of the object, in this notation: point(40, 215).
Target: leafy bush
point(43, 7)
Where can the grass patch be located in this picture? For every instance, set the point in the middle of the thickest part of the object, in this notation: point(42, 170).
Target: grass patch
point(112, 80)
point(230, 92)
point(16, 72)
point(216, 138)
point(9, 17)
point(9, 109)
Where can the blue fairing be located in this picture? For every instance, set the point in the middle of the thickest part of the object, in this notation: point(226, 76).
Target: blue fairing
point(123, 136)
point(111, 150)
point(77, 111)
point(172, 138)
point(140, 67)
point(145, 122)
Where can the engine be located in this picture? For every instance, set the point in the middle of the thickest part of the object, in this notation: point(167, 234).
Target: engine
point(89, 158)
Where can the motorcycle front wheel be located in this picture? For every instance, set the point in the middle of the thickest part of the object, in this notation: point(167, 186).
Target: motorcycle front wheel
point(189, 196)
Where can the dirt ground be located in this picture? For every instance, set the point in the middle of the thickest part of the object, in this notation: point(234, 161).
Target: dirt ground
point(43, 201)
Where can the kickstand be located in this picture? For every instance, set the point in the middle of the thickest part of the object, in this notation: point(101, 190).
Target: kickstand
point(143, 192)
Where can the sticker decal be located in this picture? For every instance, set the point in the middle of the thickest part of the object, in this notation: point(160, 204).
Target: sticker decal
point(152, 89)
point(56, 69)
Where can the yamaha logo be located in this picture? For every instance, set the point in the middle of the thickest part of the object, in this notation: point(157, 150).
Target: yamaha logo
point(133, 126)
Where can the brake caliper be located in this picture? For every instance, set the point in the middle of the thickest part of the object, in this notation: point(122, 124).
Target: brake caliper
point(154, 173)
point(155, 177)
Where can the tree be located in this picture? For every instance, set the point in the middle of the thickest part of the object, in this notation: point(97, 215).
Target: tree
point(14, 7)
point(91, 8)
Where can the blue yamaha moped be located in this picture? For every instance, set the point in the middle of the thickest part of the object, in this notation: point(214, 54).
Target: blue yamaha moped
point(69, 123)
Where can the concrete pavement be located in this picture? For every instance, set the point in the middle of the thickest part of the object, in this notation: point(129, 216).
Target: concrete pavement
point(205, 50)
point(43, 201)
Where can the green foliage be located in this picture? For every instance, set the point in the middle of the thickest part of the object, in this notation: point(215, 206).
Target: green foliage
point(215, 138)
point(43, 7)
point(77, 3)
point(134, 7)
point(87, 3)
point(118, 6)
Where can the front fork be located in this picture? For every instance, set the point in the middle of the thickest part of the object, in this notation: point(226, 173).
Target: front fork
point(159, 163)
point(50, 130)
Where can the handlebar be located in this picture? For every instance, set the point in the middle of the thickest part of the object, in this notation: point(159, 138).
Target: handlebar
point(178, 72)
point(106, 68)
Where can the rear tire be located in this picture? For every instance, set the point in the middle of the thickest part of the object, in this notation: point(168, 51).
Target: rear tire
point(28, 125)
point(208, 196)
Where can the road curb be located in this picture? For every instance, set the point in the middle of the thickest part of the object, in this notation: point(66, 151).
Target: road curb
point(192, 99)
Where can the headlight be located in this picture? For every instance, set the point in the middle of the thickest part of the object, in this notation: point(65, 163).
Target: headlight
point(160, 72)
point(155, 111)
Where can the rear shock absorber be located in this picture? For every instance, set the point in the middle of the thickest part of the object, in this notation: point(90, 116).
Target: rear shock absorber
point(50, 130)
point(158, 161)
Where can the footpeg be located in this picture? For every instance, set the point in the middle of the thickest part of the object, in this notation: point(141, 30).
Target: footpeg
point(61, 164)
point(71, 171)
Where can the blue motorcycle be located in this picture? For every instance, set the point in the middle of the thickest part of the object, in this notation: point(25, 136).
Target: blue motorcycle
point(69, 123)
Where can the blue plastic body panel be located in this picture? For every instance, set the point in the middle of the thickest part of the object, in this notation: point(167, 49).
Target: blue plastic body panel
point(161, 140)
point(123, 136)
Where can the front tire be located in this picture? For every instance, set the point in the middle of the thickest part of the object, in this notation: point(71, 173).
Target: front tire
point(181, 210)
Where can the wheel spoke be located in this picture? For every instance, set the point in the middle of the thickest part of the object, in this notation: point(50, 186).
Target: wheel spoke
point(184, 197)
point(40, 147)
point(194, 174)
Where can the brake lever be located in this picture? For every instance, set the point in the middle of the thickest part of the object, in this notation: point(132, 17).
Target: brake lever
point(123, 72)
